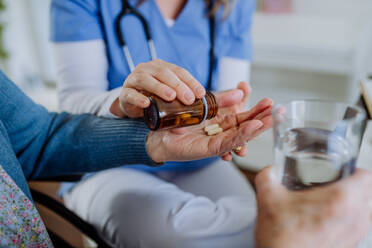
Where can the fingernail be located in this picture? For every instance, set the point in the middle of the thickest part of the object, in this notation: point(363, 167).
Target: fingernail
point(258, 125)
point(146, 102)
point(200, 91)
point(270, 101)
point(189, 96)
point(241, 93)
point(170, 93)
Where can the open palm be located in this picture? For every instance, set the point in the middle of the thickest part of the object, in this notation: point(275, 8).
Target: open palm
point(193, 143)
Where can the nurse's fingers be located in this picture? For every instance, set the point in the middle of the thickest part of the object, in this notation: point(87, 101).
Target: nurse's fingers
point(131, 111)
point(132, 96)
point(187, 78)
point(146, 82)
point(168, 77)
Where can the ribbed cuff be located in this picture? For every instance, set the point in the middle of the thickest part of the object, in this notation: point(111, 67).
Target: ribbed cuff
point(120, 142)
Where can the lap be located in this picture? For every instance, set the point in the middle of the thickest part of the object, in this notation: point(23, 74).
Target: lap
point(134, 207)
point(215, 181)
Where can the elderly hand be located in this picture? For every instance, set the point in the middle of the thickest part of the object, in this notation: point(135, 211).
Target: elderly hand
point(236, 108)
point(192, 142)
point(163, 79)
point(337, 215)
point(239, 106)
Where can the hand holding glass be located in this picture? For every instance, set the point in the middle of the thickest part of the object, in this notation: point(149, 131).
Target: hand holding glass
point(316, 142)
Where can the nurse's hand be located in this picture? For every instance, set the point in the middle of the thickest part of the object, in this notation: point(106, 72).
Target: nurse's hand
point(193, 143)
point(160, 78)
point(337, 215)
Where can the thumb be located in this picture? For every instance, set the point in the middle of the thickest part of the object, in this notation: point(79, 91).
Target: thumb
point(267, 185)
point(246, 88)
point(229, 98)
point(361, 179)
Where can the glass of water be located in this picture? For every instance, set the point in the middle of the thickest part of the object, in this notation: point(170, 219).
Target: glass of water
point(316, 142)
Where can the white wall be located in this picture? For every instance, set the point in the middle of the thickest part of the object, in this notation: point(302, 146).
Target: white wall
point(340, 8)
point(28, 32)
point(27, 41)
point(30, 63)
point(286, 83)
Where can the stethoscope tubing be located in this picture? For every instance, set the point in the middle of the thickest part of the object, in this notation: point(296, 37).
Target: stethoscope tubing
point(129, 58)
point(127, 9)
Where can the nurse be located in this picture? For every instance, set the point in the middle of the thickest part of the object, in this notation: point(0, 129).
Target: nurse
point(200, 204)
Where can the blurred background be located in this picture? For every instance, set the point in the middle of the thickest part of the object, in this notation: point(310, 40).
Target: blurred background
point(302, 49)
point(26, 54)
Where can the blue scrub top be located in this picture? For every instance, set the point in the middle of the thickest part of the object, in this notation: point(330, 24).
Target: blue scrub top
point(185, 44)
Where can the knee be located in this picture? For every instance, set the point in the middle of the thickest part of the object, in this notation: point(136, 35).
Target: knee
point(196, 222)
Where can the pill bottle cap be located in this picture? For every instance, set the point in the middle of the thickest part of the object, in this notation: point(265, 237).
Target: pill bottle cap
point(151, 115)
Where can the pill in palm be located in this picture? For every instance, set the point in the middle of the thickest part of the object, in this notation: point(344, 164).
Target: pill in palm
point(211, 127)
point(215, 131)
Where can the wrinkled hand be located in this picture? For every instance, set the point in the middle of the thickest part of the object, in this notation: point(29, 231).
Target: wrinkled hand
point(160, 78)
point(192, 143)
point(337, 215)
point(260, 112)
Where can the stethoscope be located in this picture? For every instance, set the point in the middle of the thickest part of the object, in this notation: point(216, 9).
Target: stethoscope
point(127, 9)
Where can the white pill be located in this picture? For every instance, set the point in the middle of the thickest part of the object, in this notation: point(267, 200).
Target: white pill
point(211, 127)
point(215, 131)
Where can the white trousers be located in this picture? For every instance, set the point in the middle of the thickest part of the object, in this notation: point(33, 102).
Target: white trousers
point(211, 207)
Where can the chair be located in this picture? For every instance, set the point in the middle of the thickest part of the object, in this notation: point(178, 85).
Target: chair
point(60, 210)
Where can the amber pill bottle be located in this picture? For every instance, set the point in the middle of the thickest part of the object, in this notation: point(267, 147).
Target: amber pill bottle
point(165, 115)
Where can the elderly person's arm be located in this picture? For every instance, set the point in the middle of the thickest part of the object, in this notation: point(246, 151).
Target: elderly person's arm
point(50, 144)
point(337, 215)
